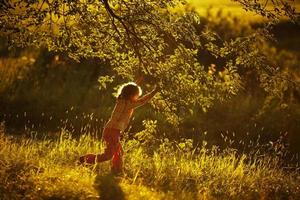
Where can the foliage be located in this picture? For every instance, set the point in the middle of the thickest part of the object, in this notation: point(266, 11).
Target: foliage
point(104, 80)
point(145, 38)
point(53, 91)
point(271, 9)
point(15, 69)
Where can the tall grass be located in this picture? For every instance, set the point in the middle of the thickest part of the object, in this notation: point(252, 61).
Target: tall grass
point(32, 168)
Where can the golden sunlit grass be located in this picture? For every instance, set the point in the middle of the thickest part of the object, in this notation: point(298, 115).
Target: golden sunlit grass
point(227, 7)
point(48, 169)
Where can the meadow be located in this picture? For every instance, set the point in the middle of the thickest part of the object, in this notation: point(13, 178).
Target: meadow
point(48, 168)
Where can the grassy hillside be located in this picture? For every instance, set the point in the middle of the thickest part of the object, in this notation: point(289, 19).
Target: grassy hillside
point(228, 6)
point(47, 168)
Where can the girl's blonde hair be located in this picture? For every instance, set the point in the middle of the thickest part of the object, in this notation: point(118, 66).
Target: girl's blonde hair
point(128, 90)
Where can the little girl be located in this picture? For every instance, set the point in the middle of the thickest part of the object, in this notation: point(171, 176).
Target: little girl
point(128, 99)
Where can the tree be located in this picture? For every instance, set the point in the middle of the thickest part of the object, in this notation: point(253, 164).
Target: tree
point(146, 37)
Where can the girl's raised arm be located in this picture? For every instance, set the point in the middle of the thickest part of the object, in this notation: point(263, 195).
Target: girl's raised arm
point(144, 99)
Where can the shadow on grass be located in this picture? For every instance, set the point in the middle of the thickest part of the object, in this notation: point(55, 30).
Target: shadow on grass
point(108, 187)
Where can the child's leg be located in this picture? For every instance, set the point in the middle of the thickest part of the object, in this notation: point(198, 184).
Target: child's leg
point(111, 137)
point(117, 161)
point(108, 153)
